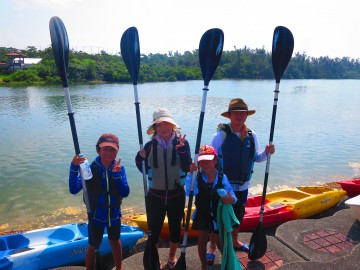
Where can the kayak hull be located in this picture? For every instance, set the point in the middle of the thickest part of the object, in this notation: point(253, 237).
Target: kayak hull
point(280, 206)
point(351, 186)
point(57, 246)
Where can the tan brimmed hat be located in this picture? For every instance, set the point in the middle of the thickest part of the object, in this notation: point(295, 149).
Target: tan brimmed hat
point(237, 104)
point(161, 115)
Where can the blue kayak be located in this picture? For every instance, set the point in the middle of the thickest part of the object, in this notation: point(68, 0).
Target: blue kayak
point(57, 246)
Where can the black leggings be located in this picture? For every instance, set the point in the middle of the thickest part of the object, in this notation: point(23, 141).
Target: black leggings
point(157, 209)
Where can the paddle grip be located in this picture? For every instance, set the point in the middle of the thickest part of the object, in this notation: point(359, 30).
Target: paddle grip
point(74, 133)
point(138, 121)
point(273, 118)
point(198, 138)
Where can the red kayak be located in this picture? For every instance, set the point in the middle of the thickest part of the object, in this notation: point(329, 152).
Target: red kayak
point(351, 186)
point(274, 214)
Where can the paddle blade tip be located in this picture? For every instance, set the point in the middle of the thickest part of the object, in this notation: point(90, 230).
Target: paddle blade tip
point(130, 52)
point(181, 263)
point(258, 243)
point(282, 49)
point(60, 46)
point(210, 51)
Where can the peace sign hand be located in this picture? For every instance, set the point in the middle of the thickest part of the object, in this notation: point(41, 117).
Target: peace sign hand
point(117, 166)
point(181, 141)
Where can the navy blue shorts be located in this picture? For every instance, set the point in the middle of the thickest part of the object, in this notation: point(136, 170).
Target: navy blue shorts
point(203, 222)
point(96, 234)
point(239, 206)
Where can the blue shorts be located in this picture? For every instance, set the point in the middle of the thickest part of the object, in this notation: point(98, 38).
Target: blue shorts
point(96, 234)
point(239, 206)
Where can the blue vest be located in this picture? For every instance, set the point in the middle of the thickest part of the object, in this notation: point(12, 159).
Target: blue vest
point(237, 156)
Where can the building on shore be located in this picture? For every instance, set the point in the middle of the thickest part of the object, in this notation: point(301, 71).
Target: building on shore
point(19, 60)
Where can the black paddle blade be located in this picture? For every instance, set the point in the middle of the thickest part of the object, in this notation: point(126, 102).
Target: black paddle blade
point(181, 263)
point(130, 52)
point(282, 49)
point(151, 256)
point(99, 262)
point(258, 243)
point(60, 46)
point(210, 51)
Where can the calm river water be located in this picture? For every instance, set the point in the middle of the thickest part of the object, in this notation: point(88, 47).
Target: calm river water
point(316, 137)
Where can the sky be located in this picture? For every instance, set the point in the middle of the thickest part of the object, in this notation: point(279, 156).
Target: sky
point(320, 27)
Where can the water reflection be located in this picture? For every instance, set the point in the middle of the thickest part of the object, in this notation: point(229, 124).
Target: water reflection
point(315, 136)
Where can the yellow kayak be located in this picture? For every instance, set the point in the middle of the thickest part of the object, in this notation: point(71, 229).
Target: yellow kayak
point(306, 201)
point(141, 222)
point(280, 206)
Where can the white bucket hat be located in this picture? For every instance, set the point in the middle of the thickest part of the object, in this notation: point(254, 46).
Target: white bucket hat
point(161, 115)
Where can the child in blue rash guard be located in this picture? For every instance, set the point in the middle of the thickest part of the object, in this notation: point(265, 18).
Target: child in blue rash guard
point(105, 192)
point(210, 187)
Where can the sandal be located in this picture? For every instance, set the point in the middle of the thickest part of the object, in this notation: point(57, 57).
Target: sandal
point(170, 265)
point(243, 247)
point(210, 258)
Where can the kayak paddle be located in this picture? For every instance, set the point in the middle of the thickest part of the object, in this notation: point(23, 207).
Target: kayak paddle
point(60, 46)
point(130, 52)
point(282, 49)
point(210, 51)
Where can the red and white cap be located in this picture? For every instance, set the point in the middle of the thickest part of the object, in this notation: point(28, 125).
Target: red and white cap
point(207, 152)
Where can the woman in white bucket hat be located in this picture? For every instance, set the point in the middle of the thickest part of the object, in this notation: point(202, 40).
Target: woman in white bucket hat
point(167, 159)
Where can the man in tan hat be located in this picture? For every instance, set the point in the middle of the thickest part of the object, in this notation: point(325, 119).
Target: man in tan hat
point(239, 148)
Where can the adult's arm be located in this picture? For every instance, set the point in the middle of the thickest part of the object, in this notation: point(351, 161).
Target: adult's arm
point(139, 159)
point(185, 156)
point(260, 156)
point(217, 140)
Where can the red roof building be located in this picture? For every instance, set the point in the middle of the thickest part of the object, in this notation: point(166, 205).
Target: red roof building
point(15, 54)
point(16, 60)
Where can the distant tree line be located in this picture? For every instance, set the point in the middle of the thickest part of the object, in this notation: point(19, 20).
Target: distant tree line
point(242, 63)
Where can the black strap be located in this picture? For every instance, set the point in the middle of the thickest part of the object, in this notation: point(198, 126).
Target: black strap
point(173, 154)
point(252, 144)
point(155, 156)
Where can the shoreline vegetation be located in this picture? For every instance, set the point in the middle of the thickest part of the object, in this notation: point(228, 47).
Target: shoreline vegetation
point(69, 215)
point(102, 67)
